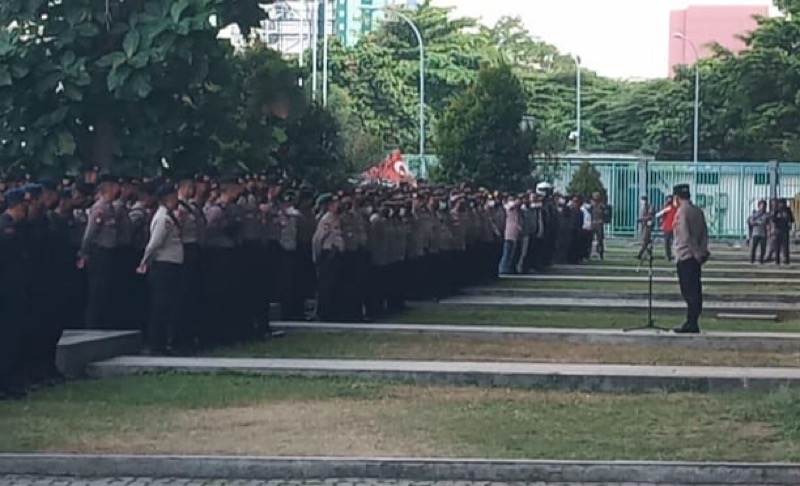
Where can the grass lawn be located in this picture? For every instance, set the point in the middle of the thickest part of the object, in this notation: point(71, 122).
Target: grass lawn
point(456, 348)
point(576, 319)
point(658, 287)
point(229, 414)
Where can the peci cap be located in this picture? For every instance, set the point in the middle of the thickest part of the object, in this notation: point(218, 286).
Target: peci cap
point(682, 191)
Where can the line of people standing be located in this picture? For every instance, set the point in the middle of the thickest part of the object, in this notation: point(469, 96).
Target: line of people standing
point(769, 232)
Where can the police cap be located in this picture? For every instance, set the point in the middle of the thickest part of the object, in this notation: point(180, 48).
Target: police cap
point(35, 190)
point(48, 183)
point(165, 190)
point(14, 197)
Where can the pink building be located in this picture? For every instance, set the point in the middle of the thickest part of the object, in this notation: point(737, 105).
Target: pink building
point(704, 25)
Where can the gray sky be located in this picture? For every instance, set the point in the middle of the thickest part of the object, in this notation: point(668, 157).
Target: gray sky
point(617, 38)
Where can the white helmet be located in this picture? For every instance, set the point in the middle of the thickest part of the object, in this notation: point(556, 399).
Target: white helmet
point(544, 188)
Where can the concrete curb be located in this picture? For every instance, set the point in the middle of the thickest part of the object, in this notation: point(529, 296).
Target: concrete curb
point(762, 341)
point(560, 376)
point(598, 293)
point(264, 468)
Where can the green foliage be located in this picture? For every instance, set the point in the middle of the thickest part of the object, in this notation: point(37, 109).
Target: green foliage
point(480, 138)
point(586, 181)
point(124, 85)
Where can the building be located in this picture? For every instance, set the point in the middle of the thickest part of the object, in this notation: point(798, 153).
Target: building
point(290, 28)
point(355, 18)
point(706, 25)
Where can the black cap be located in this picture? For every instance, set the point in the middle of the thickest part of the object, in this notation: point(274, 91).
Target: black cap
point(48, 183)
point(109, 178)
point(682, 191)
point(165, 190)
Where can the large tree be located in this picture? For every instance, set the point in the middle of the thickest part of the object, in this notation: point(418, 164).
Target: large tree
point(115, 82)
point(480, 135)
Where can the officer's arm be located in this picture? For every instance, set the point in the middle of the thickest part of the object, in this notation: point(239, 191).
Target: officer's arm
point(96, 217)
point(157, 239)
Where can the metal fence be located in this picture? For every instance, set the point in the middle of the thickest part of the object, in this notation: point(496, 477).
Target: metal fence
point(726, 191)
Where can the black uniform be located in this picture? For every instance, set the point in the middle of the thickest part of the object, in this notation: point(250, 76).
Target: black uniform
point(14, 303)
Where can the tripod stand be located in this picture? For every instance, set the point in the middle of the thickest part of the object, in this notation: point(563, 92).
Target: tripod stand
point(651, 325)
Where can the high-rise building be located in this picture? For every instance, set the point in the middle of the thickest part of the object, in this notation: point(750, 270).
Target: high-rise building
point(706, 25)
point(292, 23)
point(355, 18)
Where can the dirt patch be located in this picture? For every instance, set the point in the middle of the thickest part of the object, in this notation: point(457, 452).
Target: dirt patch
point(522, 350)
point(333, 427)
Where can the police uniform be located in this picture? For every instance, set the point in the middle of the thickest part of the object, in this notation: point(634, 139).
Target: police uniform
point(162, 259)
point(191, 320)
point(328, 246)
point(98, 245)
point(221, 237)
point(14, 297)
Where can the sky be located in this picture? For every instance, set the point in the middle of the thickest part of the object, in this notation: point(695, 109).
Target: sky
point(617, 38)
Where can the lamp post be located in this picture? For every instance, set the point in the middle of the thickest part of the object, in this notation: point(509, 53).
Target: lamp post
point(682, 36)
point(314, 48)
point(577, 60)
point(418, 34)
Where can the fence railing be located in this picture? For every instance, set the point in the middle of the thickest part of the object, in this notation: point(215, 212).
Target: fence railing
point(726, 191)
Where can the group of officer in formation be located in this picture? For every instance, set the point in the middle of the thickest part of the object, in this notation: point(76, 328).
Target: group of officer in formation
point(196, 262)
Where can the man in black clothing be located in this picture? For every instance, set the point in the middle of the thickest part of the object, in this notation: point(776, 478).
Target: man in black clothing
point(691, 252)
point(782, 221)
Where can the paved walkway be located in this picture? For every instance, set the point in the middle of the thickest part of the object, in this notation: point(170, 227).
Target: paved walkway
point(142, 481)
point(583, 303)
point(595, 377)
point(642, 277)
point(776, 341)
point(772, 272)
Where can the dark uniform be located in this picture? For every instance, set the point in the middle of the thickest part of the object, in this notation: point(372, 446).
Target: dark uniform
point(98, 246)
point(15, 286)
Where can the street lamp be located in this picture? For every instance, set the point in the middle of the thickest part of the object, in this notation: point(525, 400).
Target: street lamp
point(682, 36)
point(577, 60)
point(418, 34)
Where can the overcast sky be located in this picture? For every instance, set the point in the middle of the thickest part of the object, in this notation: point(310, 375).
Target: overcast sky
point(618, 38)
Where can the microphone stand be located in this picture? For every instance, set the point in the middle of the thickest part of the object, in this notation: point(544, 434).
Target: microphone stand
point(651, 325)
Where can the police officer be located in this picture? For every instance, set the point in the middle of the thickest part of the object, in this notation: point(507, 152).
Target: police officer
point(327, 247)
point(192, 222)
point(292, 299)
point(691, 253)
point(162, 262)
point(14, 293)
point(97, 255)
point(222, 236)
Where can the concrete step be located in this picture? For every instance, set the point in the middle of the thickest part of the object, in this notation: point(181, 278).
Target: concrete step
point(759, 341)
point(592, 377)
point(599, 293)
point(643, 277)
point(78, 348)
point(586, 303)
point(745, 272)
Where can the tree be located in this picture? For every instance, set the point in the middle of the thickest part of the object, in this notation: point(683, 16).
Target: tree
point(586, 181)
point(480, 137)
point(120, 82)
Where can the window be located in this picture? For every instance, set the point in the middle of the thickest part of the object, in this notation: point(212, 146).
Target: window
point(763, 178)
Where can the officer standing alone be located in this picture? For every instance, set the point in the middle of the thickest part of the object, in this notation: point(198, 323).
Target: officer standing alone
point(691, 252)
point(162, 262)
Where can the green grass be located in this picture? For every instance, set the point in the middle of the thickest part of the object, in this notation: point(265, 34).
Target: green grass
point(658, 287)
point(576, 319)
point(147, 414)
point(427, 347)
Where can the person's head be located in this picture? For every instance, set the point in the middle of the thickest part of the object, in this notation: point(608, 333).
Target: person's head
point(670, 201)
point(168, 196)
point(65, 201)
point(127, 191)
point(230, 191)
point(109, 188)
point(33, 196)
point(682, 193)
point(597, 197)
point(50, 194)
point(16, 204)
point(186, 189)
point(781, 203)
point(762, 205)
